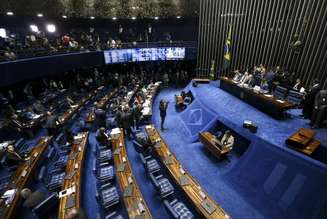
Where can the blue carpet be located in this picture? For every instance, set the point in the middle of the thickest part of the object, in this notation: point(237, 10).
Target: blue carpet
point(268, 180)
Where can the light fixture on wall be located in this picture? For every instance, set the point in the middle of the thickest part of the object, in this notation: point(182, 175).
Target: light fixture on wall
point(10, 13)
point(34, 28)
point(39, 15)
point(51, 28)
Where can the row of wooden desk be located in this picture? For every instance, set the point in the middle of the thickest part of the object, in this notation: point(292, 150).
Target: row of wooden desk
point(202, 202)
point(90, 118)
point(132, 197)
point(20, 178)
point(73, 171)
point(264, 102)
point(69, 113)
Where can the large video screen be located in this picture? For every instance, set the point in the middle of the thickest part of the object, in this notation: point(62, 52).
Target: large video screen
point(144, 54)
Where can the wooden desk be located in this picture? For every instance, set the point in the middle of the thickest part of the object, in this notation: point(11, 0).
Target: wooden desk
point(208, 141)
point(19, 179)
point(70, 112)
point(106, 98)
point(201, 80)
point(267, 104)
point(74, 166)
point(303, 141)
point(197, 196)
point(130, 202)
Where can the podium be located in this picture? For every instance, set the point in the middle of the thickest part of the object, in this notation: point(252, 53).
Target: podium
point(303, 141)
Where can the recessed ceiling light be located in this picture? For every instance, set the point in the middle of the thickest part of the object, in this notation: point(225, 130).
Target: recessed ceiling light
point(34, 28)
point(40, 15)
point(10, 13)
point(51, 28)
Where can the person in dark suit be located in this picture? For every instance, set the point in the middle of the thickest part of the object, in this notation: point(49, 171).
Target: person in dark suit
point(31, 200)
point(320, 109)
point(51, 125)
point(126, 121)
point(13, 157)
point(162, 108)
point(101, 136)
point(308, 102)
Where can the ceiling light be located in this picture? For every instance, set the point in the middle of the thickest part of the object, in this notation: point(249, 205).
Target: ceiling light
point(34, 28)
point(39, 15)
point(133, 18)
point(92, 17)
point(156, 18)
point(10, 13)
point(64, 16)
point(114, 18)
point(3, 33)
point(51, 28)
point(178, 17)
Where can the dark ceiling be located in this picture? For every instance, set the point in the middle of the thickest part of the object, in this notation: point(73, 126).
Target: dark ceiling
point(102, 8)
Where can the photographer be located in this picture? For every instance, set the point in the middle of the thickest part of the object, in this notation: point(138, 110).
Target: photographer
point(162, 108)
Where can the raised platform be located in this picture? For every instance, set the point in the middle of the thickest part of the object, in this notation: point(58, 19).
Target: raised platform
point(266, 180)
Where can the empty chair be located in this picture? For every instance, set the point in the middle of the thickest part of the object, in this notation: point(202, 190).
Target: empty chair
point(150, 164)
point(21, 146)
point(55, 180)
point(107, 195)
point(295, 97)
point(162, 184)
point(4, 181)
point(103, 154)
point(104, 172)
point(178, 209)
point(280, 92)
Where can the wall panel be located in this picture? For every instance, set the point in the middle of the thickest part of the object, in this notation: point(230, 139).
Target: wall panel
point(262, 32)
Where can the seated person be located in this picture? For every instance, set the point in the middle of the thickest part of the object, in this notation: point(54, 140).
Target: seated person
point(12, 156)
point(38, 107)
point(226, 142)
point(190, 95)
point(51, 123)
point(31, 200)
point(29, 114)
point(69, 136)
point(76, 214)
point(237, 76)
point(102, 136)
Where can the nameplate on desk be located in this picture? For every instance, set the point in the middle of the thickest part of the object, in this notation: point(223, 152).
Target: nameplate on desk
point(168, 160)
point(128, 191)
point(70, 202)
point(117, 151)
point(157, 144)
point(24, 172)
point(73, 156)
point(210, 208)
point(120, 167)
point(66, 192)
point(183, 180)
point(70, 174)
point(140, 216)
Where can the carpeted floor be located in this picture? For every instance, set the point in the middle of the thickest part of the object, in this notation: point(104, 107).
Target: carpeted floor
point(269, 180)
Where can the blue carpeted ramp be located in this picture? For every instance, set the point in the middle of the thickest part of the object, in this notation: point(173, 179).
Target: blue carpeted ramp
point(196, 119)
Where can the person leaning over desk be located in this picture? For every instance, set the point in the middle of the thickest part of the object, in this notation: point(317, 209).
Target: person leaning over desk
point(226, 142)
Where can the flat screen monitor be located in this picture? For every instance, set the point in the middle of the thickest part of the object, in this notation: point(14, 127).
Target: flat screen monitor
point(144, 54)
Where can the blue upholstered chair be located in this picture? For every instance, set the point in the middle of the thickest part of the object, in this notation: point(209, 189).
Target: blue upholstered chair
point(103, 171)
point(280, 93)
point(103, 154)
point(150, 164)
point(178, 209)
point(21, 146)
point(55, 180)
point(162, 184)
point(107, 195)
point(295, 97)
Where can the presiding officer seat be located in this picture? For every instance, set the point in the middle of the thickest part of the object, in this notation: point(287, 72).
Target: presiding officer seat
point(280, 92)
